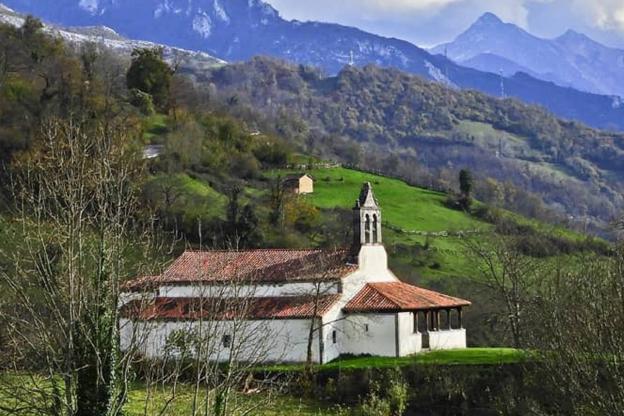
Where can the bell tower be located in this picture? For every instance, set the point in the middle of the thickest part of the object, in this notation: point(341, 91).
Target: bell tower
point(366, 220)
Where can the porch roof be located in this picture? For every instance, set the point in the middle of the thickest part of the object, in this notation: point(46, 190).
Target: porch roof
point(398, 296)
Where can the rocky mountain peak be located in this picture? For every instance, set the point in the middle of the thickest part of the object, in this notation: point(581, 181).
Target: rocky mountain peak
point(488, 19)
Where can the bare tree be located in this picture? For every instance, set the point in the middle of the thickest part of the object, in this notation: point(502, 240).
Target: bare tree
point(579, 338)
point(222, 334)
point(77, 206)
point(509, 273)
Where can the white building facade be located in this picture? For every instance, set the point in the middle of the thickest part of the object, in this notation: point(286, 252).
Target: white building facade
point(292, 305)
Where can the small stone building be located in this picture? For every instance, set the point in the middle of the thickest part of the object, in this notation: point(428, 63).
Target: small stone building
point(327, 302)
point(299, 184)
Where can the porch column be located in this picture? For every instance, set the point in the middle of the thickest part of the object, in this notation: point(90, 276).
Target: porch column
point(415, 322)
point(448, 319)
point(461, 324)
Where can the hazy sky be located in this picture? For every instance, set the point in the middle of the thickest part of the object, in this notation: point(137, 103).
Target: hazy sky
point(429, 22)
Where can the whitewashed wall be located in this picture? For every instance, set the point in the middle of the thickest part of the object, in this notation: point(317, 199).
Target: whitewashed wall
point(350, 329)
point(447, 339)
point(274, 341)
point(269, 290)
point(409, 341)
point(380, 339)
point(373, 267)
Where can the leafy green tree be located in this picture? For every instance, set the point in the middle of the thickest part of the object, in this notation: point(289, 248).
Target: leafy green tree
point(150, 74)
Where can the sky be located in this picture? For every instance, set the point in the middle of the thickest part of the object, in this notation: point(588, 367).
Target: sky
point(430, 22)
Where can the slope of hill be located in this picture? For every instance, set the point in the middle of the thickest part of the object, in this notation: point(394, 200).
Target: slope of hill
point(573, 168)
point(572, 59)
point(240, 29)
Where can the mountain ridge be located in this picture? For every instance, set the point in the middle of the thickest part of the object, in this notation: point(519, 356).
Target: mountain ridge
point(572, 59)
point(107, 37)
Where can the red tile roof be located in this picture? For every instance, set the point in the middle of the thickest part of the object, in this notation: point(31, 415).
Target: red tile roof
point(398, 296)
point(294, 307)
point(271, 265)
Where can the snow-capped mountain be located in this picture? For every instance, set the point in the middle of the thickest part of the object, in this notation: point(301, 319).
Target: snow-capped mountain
point(572, 59)
point(240, 29)
point(108, 38)
point(232, 30)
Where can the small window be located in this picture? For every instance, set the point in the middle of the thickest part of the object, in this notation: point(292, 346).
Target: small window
point(227, 341)
point(334, 337)
point(366, 327)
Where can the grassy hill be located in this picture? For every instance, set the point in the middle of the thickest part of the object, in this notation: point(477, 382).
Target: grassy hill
point(408, 213)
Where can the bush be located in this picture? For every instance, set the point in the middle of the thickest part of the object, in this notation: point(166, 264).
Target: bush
point(374, 405)
point(143, 101)
point(391, 402)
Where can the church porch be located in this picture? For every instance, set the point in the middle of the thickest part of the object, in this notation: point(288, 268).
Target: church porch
point(413, 319)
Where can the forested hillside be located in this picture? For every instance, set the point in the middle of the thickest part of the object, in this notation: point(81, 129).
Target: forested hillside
point(435, 130)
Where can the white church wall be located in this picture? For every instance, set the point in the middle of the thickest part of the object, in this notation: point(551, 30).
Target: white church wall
point(352, 337)
point(270, 340)
point(331, 349)
point(447, 339)
point(264, 290)
point(372, 334)
point(410, 342)
point(372, 267)
point(131, 296)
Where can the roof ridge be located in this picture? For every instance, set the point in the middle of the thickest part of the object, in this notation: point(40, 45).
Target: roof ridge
point(259, 249)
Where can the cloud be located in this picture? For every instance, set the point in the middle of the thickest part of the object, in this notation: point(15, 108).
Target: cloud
point(427, 22)
point(605, 14)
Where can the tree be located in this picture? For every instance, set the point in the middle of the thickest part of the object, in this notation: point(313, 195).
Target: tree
point(241, 223)
point(218, 352)
point(512, 275)
point(150, 74)
point(465, 188)
point(578, 338)
point(76, 198)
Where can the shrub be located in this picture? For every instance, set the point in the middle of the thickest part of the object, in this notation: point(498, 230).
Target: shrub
point(374, 405)
point(143, 101)
point(398, 394)
point(391, 402)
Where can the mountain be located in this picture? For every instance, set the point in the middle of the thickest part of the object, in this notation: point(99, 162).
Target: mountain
point(240, 29)
point(572, 59)
point(108, 38)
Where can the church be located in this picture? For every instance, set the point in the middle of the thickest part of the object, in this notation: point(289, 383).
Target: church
point(292, 305)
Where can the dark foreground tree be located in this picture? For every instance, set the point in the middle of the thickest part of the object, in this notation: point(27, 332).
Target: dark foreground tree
point(150, 74)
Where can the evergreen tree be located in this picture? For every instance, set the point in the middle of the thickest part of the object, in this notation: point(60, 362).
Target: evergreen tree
point(465, 187)
point(149, 73)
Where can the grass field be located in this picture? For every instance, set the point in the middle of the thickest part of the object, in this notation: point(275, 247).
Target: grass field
point(404, 206)
point(469, 356)
point(162, 401)
point(186, 194)
point(407, 208)
point(142, 403)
